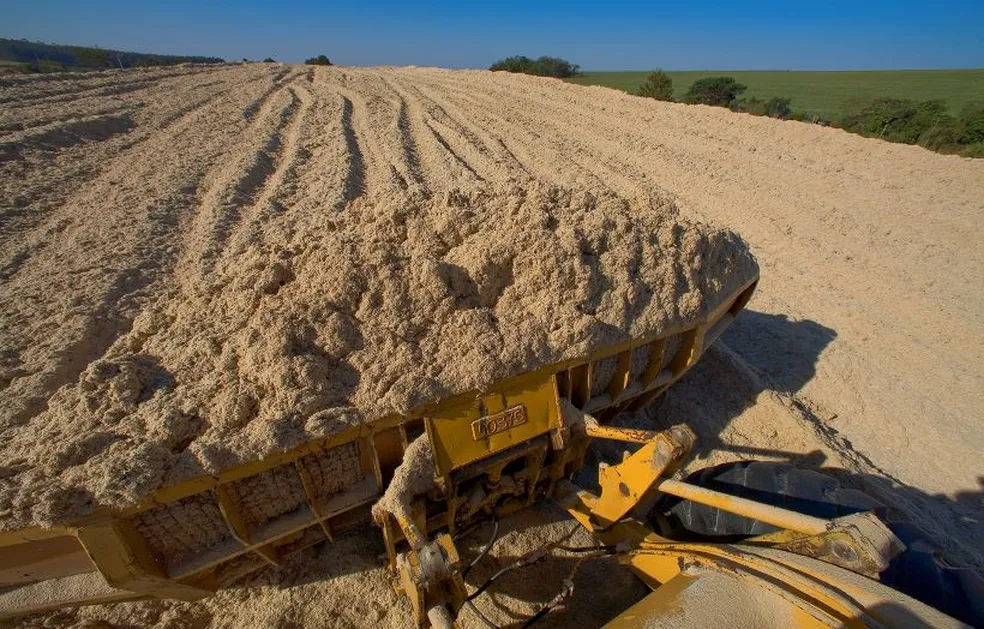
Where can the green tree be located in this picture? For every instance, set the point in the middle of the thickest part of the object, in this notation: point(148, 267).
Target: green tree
point(518, 63)
point(932, 126)
point(939, 135)
point(542, 66)
point(269, 60)
point(555, 67)
point(320, 60)
point(720, 91)
point(658, 85)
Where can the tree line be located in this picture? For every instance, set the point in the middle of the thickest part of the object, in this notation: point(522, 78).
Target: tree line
point(925, 123)
point(541, 66)
point(28, 56)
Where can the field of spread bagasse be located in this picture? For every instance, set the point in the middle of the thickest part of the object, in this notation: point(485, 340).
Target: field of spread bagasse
point(137, 205)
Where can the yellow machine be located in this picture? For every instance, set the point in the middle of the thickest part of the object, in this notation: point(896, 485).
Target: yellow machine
point(486, 454)
point(813, 572)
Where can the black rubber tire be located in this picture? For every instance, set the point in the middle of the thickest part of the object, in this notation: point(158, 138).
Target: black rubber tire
point(777, 484)
point(917, 572)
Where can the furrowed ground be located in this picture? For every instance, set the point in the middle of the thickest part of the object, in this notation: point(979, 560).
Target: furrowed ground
point(126, 192)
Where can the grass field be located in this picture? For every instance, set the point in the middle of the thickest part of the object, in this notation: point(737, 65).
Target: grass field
point(824, 93)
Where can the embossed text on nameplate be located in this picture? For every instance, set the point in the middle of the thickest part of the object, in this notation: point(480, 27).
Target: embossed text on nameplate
point(485, 427)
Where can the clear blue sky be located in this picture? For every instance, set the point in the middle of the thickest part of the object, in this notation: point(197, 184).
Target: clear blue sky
point(719, 34)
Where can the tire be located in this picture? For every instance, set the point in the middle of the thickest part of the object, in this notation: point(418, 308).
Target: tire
point(777, 484)
point(917, 572)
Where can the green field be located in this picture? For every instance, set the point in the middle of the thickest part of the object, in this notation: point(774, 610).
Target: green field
point(824, 93)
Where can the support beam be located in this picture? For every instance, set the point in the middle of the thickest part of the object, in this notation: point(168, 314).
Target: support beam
point(776, 516)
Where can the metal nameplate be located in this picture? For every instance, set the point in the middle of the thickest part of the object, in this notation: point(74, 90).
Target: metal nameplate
point(485, 427)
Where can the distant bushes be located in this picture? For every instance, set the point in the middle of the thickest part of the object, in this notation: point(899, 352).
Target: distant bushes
point(658, 85)
point(926, 123)
point(320, 60)
point(775, 107)
point(720, 91)
point(724, 91)
point(543, 66)
point(900, 120)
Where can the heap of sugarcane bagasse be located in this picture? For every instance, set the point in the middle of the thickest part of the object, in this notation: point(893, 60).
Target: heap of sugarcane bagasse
point(388, 304)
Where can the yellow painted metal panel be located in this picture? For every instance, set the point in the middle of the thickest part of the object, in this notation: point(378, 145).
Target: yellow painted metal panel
point(486, 425)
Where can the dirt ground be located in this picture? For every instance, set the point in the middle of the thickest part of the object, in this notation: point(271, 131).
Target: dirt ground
point(124, 193)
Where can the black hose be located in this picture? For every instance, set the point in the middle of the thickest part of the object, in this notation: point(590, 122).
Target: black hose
point(585, 552)
point(529, 559)
point(566, 592)
point(491, 580)
point(485, 551)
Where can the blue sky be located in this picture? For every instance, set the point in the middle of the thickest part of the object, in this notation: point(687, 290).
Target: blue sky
point(720, 34)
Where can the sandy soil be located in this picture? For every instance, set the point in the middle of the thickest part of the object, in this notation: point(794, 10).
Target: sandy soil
point(132, 202)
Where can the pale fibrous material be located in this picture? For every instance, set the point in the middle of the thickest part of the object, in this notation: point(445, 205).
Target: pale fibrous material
point(305, 298)
point(199, 265)
point(413, 479)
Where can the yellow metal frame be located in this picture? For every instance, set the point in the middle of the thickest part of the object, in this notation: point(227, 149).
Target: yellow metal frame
point(632, 482)
point(810, 592)
point(817, 573)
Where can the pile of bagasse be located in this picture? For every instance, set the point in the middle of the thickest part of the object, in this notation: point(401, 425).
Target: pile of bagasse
point(395, 302)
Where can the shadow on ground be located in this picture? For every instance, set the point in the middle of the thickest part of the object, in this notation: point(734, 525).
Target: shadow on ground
point(760, 352)
point(784, 350)
point(771, 354)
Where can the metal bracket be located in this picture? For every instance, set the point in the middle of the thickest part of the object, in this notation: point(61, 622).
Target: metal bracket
point(630, 483)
